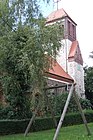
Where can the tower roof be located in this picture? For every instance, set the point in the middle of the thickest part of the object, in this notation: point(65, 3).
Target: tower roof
point(55, 15)
point(75, 53)
point(73, 49)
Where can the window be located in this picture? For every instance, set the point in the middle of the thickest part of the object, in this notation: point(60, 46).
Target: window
point(68, 27)
point(73, 31)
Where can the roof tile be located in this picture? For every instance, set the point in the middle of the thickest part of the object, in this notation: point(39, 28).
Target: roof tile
point(58, 73)
point(73, 49)
point(75, 53)
point(56, 15)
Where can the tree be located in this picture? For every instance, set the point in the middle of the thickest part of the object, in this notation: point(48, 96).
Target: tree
point(23, 47)
point(89, 83)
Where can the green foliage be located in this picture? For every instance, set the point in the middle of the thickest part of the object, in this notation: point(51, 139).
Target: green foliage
point(19, 126)
point(17, 109)
point(85, 103)
point(12, 112)
point(89, 83)
point(12, 126)
point(14, 14)
point(23, 61)
point(24, 41)
point(58, 102)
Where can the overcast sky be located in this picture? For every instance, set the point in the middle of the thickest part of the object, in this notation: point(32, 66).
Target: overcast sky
point(81, 12)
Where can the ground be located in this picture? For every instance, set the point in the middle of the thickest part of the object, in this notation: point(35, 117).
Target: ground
point(77, 132)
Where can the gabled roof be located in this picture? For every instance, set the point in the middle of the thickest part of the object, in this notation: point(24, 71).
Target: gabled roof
point(57, 72)
point(56, 15)
point(75, 53)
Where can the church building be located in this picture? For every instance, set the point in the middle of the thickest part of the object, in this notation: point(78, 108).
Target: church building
point(68, 66)
point(69, 57)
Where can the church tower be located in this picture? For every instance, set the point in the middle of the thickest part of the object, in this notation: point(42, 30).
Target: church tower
point(69, 57)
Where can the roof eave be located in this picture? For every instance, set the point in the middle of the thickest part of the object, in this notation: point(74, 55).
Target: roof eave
point(71, 19)
point(64, 79)
point(55, 20)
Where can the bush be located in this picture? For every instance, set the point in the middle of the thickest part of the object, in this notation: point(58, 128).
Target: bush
point(59, 101)
point(19, 126)
point(85, 103)
point(12, 126)
point(8, 112)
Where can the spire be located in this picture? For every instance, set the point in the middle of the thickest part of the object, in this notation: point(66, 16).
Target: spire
point(56, 1)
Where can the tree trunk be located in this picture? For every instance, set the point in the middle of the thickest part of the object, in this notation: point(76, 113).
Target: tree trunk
point(31, 120)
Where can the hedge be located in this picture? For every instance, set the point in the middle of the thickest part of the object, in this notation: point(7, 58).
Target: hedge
point(19, 126)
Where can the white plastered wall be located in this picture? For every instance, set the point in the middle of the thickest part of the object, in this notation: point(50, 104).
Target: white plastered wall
point(62, 57)
point(74, 69)
point(77, 73)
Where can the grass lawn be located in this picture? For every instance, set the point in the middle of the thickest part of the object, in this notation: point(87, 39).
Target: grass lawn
point(77, 132)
